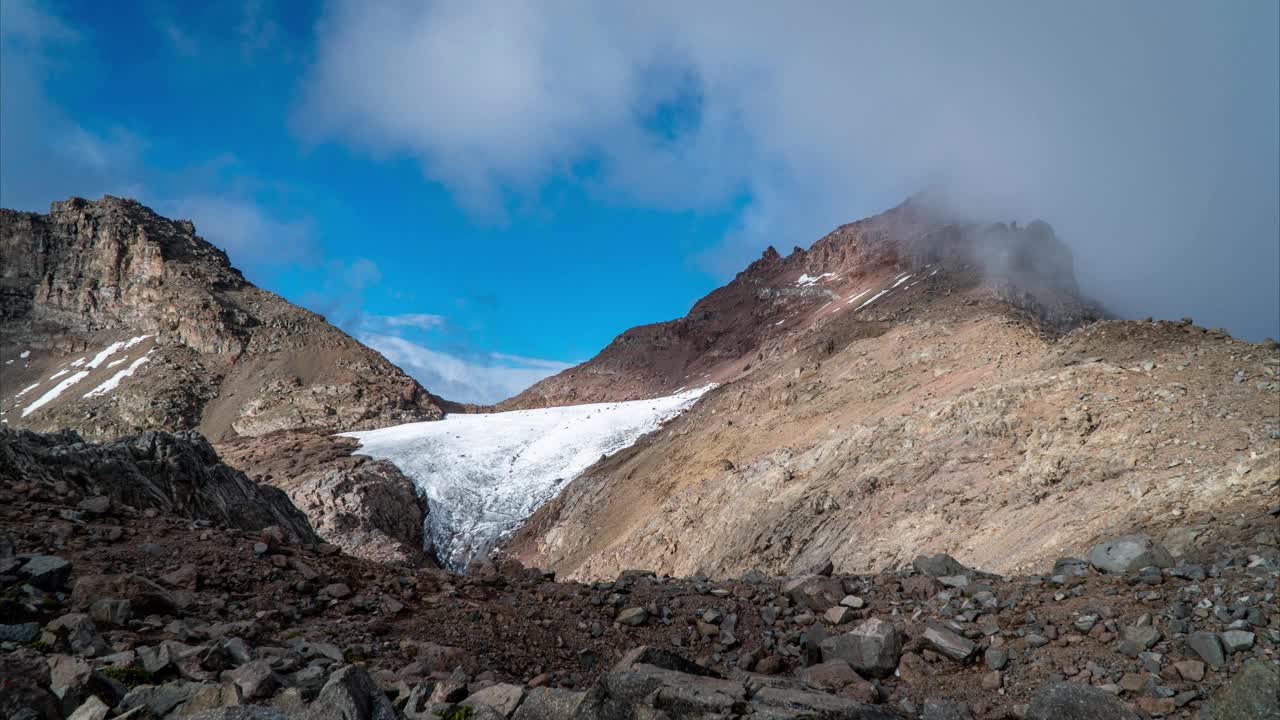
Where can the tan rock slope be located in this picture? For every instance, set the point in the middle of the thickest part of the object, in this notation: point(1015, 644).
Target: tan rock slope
point(948, 415)
point(114, 320)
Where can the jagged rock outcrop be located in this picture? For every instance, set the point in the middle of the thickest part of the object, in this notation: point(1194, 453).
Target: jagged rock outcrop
point(97, 288)
point(173, 473)
point(365, 506)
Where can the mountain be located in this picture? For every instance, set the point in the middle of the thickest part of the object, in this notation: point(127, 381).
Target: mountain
point(909, 385)
point(116, 320)
point(855, 270)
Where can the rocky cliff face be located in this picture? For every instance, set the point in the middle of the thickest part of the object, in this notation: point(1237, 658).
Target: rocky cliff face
point(116, 320)
point(365, 506)
point(176, 474)
point(1029, 269)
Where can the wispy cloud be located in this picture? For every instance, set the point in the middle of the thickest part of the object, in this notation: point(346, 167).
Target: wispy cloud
point(421, 321)
point(554, 365)
point(251, 237)
point(180, 40)
point(459, 379)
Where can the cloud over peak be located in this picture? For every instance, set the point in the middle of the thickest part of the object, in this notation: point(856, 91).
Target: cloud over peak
point(1134, 128)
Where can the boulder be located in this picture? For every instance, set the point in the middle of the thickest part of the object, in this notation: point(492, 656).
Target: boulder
point(503, 697)
point(21, 633)
point(1076, 701)
point(79, 632)
point(544, 703)
point(830, 675)
point(950, 644)
point(255, 680)
point(351, 694)
point(816, 592)
point(633, 616)
point(872, 648)
point(91, 709)
point(1253, 694)
point(1129, 553)
point(47, 572)
point(1208, 647)
point(939, 566)
point(160, 699)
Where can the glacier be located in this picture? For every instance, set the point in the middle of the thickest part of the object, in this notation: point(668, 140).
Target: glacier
point(483, 474)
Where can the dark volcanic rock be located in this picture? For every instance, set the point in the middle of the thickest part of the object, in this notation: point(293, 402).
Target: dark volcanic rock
point(175, 473)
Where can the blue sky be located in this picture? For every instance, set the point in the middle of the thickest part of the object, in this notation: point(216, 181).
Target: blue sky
point(487, 191)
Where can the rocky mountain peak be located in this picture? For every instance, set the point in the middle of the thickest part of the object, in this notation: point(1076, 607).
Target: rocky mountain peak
point(117, 320)
point(864, 269)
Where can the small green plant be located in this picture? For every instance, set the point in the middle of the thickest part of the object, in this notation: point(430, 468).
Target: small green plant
point(41, 646)
point(130, 677)
point(292, 634)
point(462, 712)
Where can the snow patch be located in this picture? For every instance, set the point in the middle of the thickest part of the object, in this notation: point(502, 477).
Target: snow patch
point(135, 341)
point(26, 390)
point(483, 474)
point(875, 297)
point(25, 354)
point(116, 362)
point(54, 392)
point(900, 281)
point(59, 374)
point(811, 280)
point(855, 297)
point(105, 353)
point(77, 363)
point(114, 381)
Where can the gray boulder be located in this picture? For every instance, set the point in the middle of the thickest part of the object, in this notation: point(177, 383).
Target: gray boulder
point(543, 703)
point(351, 694)
point(872, 648)
point(47, 572)
point(948, 643)
point(1129, 554)
point(817, 592)
point(940, 565)
point(1076, 701)
point(1253, 694)
point(1208, 647)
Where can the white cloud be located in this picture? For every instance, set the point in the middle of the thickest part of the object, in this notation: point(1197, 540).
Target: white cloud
point(1136, 128)
point(249, 236)
point(554, 365)
point(457, 379)
point(421, 321)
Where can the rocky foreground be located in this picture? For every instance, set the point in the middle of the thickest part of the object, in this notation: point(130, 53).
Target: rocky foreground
point(158, 608)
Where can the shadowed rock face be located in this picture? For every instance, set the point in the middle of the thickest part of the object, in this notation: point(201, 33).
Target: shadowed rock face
point(178, 474)
point(222, 356)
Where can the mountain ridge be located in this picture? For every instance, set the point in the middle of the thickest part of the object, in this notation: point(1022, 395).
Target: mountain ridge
point(1029, 268)
point(216, 353)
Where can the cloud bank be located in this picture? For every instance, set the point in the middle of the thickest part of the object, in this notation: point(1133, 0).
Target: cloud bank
point(1147, 133)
